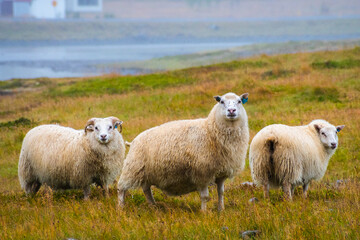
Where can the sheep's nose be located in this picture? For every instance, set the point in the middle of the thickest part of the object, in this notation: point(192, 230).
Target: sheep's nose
point(103, 136)
point(333, 145)
point(231, 110)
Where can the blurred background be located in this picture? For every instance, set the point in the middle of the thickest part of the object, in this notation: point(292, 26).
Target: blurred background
point(73, 38)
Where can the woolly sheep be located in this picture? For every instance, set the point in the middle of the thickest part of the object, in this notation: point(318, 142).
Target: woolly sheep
point(65, 158)
point(287, 156)
point(183, 156)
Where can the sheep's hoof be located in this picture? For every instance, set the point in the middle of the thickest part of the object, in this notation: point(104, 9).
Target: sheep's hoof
point(121, 204)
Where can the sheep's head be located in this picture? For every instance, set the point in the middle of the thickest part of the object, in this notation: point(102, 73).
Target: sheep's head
point(103, 128)
point(328, 134)
point(230, 105)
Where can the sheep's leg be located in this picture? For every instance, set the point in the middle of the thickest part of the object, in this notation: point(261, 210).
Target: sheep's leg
point(287, 191)
point(86, 192)
point(305, 189)
point(266, 188)
point(121, 197)
point(220, 189)
point(292, 189)
point(148, 194)
point(32, 188)
point(106, 191)
point(204, 196)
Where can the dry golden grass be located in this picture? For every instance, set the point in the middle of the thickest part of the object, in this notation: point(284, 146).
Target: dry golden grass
point(291, 89)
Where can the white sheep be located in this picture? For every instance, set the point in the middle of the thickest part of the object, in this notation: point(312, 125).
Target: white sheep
point(65, 158)
point(287, 156)
point(183, 156)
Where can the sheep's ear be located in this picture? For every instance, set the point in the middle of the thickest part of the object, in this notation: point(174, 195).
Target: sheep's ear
point(90, 125)
point(317, 127)
point(116, 122)
point(217, 98)
point(339, 128)
point(244, 97)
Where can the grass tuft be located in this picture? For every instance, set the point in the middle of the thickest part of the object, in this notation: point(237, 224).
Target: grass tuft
point(347, 63)
point(18, 122)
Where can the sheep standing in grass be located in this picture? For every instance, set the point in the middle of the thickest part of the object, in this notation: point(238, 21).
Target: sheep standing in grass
point(65, 158)
point(183, 156)
point(287, 156)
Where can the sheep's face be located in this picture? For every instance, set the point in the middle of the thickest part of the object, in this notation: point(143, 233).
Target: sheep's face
point(328, 135)
point(230, 105)
point(103, 129)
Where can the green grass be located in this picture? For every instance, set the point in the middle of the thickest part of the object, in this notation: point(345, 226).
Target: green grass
point(286, 89)
point(24, 83)
point(228, 55)
point(347, 63)
point(18, 122)
point(125, 84)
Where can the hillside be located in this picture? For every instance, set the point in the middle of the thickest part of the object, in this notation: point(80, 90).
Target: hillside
point(227, 55)
point(38, 32)
point(291, 89)
point(227, 9)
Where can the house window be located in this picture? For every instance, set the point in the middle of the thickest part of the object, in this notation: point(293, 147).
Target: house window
point(88, 2)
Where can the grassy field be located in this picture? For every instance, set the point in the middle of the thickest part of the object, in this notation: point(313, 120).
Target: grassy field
point(290, 89)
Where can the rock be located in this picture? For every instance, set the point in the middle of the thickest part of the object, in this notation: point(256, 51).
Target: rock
point(214, 27)
point(248, 184)
point(253, 200)
point(341, 183)
point(224, 228)
point(249, 234)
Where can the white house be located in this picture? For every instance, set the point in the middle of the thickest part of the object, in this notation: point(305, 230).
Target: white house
point(50, 9)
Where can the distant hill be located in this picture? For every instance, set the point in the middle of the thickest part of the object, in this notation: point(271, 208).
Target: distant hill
point(228, 9)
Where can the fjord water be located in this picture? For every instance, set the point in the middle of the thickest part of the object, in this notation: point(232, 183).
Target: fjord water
point(83, 60)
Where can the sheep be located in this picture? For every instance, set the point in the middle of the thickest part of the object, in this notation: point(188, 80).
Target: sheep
point(184, 156)
point(65, 158)
point(288, 156)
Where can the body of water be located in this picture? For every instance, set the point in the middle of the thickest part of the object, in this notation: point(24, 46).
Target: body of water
point(84, 60)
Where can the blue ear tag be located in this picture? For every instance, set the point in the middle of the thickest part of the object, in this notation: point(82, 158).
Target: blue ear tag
point(115, 126)
point(244, 100)
point(338, 130)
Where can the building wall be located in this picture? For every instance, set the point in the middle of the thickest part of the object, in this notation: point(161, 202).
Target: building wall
point(46, 9)
point(84, 5)
point(6, 8)
point(21, 9)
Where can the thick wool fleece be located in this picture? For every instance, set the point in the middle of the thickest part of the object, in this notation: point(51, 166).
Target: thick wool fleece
point(64, 158)
point(187, 155)
point(281, 154)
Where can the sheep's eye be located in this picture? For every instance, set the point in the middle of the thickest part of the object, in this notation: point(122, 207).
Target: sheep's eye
point(110, 127)
point(323, 134)
point(222, 102)
point(239, 101)
point(96, 128)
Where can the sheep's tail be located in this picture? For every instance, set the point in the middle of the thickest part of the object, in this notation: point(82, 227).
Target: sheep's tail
point(263, 162)
point(128, 144)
